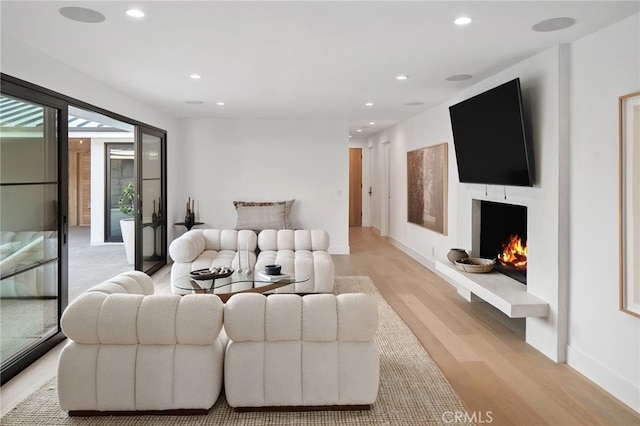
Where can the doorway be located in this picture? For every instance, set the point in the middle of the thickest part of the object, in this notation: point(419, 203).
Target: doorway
point(355, 187)
point(385, 195)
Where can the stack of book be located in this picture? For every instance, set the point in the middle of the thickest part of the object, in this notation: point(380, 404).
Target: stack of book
point(262, 276)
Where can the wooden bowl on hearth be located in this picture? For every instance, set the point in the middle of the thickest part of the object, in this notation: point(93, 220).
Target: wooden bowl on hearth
point(475, 264)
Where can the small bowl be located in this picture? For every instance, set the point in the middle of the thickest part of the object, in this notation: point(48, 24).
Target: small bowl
point(475, 264)
point(272, 269)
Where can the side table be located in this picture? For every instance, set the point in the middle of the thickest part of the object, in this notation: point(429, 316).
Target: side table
point(190, 225)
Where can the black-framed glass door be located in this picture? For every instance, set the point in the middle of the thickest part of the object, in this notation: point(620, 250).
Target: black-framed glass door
point(33, 225)
point(34, 194)
point(151, 243)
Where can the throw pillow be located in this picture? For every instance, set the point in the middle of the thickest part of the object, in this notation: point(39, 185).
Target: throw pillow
point(256, 215)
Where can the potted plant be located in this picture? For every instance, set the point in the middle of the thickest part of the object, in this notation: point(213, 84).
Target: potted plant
point(127, 226)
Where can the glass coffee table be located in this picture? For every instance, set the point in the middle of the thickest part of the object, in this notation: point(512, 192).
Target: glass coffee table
point(202, 282)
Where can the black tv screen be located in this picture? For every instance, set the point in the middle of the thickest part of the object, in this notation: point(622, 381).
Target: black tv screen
point(489, 138)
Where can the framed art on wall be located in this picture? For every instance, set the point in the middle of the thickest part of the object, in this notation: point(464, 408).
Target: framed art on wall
point(427, 187)
point(629, 157)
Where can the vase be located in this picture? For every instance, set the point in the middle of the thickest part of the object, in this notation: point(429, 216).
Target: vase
point(456, 253)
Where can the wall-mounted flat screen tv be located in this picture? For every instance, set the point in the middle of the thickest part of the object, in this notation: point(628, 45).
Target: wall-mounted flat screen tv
point(490, 139)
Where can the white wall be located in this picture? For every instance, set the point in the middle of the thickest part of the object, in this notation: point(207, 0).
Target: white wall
point(226, 160)
point(604, 343)
point(572, 207)
point(540, 79)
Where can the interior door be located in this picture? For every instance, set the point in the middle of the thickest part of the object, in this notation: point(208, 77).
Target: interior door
point(355, 186)
point(151, 233)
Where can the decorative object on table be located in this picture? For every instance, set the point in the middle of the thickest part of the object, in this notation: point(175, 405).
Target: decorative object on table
point(457, 253)
point(212, 273)
point(189, 225)
point(261, 276)
point(190, 217)
point(427, 187)
point(272, 269)
point(629, 219)
point(475, 264)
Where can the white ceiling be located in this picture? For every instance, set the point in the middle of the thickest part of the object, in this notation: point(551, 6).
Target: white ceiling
point(299, 59)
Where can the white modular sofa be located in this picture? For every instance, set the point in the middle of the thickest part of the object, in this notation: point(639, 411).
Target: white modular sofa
point(302, 252)
point(130, 350)
point(287, 350)
point(299, 252)
point(204, 248)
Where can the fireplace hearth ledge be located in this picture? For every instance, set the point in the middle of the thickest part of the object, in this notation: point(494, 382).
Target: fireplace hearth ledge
point(504, 293)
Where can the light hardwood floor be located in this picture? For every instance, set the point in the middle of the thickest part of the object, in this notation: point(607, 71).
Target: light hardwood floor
point(481, 352)
point(500, 379)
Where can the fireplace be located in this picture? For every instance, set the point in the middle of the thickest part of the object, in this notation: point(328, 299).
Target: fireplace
point(503, 236)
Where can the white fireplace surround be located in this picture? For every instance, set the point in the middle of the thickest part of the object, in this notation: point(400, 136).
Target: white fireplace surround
point(505, 293)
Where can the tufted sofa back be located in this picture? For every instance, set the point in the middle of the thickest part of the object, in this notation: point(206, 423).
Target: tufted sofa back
point(190, 245)
point(131, 350)
point(292, 350)
point(288, 239)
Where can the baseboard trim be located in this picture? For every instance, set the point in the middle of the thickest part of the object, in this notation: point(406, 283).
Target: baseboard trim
point(339, 250)
point(427, 263)
point(619, 387)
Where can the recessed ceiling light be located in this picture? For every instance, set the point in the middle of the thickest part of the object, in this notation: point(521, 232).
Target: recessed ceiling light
point(553, 24)
point(459, 77)
point(195, 76)
point(372, 123)
point(463, 20)
point(414, 103)
point(82, 14)
point(350, 136)
point(220, 103)
point(359, 130)
point(369, 104)
point(194, 102)
point(135, 13)
point(402, 77)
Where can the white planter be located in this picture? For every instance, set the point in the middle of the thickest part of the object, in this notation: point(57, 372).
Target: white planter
point(128, 229)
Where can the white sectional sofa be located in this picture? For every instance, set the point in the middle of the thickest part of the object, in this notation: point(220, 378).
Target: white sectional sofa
point(302, 252)
point(131, 350)
point(286, 350)
point(204, 248)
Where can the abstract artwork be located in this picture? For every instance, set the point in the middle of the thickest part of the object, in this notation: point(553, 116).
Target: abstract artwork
point(629, 113)
point(427, 187)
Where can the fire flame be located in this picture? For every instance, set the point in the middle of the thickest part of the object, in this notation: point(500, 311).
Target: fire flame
point(514, 253)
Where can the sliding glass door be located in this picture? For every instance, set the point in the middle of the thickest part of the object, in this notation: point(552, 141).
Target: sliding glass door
point(151, 221)
point(32, 225)
point(34, 206)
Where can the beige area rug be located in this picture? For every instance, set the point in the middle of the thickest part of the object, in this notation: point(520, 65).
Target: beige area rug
point(413, 390)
